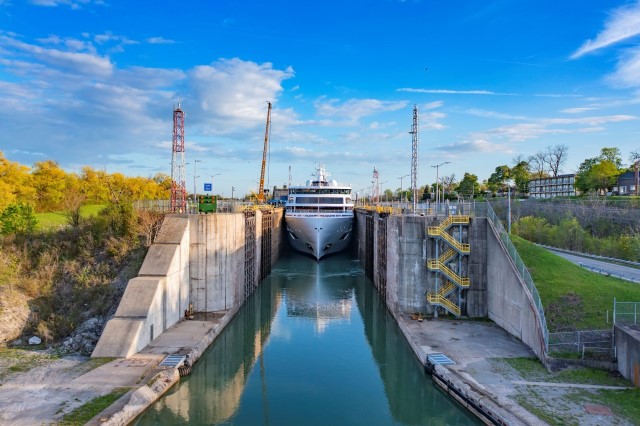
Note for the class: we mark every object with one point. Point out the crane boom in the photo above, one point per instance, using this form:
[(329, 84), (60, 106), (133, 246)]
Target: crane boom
[(264, 154)]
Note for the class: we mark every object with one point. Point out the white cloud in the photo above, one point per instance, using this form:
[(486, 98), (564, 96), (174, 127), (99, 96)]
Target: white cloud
[(524, 131), (160, 40), (353, 110), (577, 110), (492, 114), (476, 145), (73, 4), (431, 105), (623, 23), (450, 92), (627, 73), (231, 94), (84, 63), (430, 120)]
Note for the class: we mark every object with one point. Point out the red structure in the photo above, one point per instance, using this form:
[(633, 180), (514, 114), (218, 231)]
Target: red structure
[(178, 184)]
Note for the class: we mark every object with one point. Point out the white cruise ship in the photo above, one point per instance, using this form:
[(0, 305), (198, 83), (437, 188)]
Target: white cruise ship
[(319, 216)]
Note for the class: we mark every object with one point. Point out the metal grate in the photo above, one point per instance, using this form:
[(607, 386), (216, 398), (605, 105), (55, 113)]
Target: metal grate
[(249, 253), (172, 361), (382, 256), (265, 246), (368, 247), (439, 359)]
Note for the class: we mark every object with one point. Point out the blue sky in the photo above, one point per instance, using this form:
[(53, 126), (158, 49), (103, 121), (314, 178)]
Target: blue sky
[(89, 82)]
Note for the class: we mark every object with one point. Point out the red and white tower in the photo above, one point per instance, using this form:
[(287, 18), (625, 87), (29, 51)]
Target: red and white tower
[(178, 184)]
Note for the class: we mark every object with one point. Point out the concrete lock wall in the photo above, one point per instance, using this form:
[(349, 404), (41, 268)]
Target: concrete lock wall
[(627, 340), (217, 261), (509, 302), (195, 258), (496, 290), (408, 248), (156, 299)]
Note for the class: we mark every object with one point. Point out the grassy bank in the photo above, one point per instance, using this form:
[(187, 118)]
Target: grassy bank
[(554, 405), (56, 220), (573, 297)]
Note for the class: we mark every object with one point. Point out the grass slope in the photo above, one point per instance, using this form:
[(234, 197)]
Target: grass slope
[(573, 297), (55, 220)]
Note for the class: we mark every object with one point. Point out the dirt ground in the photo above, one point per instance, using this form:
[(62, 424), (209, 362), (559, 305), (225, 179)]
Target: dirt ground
[(46, 391)]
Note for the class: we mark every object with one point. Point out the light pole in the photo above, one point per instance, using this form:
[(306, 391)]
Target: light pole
[(379, 186), (509, 206), (212, 176), (437, 167), (233, 188), (402, 193), (195, 163)]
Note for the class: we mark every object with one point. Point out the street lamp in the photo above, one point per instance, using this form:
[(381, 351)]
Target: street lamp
[(437, 167), (509, 206), (401, 192), (212, 176), (195, 163), (380, 185), (233, 188)]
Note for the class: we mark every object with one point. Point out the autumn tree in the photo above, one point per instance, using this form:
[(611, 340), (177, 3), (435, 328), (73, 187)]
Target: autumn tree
[(50, 184)]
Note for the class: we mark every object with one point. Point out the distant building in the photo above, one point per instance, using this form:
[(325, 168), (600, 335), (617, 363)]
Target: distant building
[(626, 184), (280, 195), (549, 187)]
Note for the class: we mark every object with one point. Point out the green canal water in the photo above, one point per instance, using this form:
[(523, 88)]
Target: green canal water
[(314, 345)]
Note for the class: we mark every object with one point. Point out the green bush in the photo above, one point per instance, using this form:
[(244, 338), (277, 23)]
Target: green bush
[(568, 234), (18, 219)]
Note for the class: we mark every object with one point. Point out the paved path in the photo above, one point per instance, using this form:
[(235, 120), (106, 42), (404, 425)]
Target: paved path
[(624, 271), (567, 385)]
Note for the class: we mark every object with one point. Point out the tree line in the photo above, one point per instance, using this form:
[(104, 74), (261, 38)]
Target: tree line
[(47, 187)]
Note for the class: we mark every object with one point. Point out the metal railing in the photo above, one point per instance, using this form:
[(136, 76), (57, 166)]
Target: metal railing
[(521, 270), (435, 299), (610, 273)]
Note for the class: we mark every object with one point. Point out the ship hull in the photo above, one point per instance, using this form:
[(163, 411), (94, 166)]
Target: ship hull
[(318, 235)]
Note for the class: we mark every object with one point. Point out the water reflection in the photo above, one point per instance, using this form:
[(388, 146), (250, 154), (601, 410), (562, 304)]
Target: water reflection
[(313, 345)]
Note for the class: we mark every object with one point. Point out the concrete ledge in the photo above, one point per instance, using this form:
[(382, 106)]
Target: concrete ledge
[(173, 230), (161, 260), (193, 340), (118, 338)]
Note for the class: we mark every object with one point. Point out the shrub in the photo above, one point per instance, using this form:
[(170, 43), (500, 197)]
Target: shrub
[(18, 219)]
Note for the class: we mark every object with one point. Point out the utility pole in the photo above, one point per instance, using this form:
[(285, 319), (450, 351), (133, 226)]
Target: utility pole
[(289, 177), (509, 208), (401, 191), (414, 158), (233, 188), (437, 167), (195, 163)]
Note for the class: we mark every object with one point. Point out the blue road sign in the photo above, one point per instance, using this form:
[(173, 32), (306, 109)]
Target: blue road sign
[(207, 186)]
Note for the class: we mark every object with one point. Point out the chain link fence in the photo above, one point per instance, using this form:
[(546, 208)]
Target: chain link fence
[(522, 271), (586, 343), (626, 313)]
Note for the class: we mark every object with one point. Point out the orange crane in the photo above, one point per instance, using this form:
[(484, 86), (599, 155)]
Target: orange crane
[(264, 155)]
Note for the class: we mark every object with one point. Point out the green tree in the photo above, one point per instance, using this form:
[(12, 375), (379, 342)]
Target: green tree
[(18, 219), (521, 174), (426, 193), (602, 176), (497, 180), (613, 155), (583, 183), (468, 186)]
